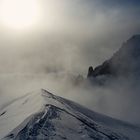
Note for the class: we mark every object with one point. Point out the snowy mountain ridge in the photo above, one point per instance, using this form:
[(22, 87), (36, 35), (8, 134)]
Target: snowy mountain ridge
[(41, 115)]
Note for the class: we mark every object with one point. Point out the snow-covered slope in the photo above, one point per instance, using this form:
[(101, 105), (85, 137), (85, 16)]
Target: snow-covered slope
[(41, 115)]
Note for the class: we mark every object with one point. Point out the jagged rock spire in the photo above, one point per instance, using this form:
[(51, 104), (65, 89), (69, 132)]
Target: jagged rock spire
[(125, 62), (90, 72)]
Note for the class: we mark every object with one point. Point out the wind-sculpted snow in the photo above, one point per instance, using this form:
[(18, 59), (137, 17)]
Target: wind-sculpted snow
[(44, 116)]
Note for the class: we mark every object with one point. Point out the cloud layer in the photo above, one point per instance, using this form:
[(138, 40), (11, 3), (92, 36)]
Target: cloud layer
[(71, 36)]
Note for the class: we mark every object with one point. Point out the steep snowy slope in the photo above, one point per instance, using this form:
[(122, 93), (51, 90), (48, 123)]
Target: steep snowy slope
[(41, 115)]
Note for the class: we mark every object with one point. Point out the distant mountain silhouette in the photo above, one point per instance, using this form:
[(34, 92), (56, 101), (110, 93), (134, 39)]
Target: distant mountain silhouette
[(125, 62)]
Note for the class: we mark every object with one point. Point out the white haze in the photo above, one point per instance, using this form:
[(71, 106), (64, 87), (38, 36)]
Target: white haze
[(119, 99), (71, 36)]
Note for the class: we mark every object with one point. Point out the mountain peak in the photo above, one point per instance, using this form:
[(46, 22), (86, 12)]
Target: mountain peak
[(58, 118), (125, 62)]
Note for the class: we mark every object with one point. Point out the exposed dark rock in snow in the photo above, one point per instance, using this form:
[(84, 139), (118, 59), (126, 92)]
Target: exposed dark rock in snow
[(59, 119)]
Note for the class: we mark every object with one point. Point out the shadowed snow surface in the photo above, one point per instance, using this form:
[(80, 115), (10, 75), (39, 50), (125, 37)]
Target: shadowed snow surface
[(41, 115)]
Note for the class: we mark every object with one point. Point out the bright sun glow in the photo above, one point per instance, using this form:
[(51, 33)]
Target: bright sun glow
[(19, 14)]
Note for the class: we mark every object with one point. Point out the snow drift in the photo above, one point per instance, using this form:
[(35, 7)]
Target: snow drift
[(41, 115)]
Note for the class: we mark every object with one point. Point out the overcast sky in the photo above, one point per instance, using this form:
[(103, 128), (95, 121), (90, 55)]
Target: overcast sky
[(74, 34), (70, 36)]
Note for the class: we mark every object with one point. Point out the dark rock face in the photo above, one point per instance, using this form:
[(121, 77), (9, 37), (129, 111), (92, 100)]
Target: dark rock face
[(125, 62), (90, 72)]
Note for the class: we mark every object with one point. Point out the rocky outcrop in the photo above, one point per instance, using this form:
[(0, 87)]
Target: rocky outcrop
[(125, 62)]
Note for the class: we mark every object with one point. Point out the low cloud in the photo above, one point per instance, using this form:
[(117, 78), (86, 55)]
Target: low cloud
[(71, 36)]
